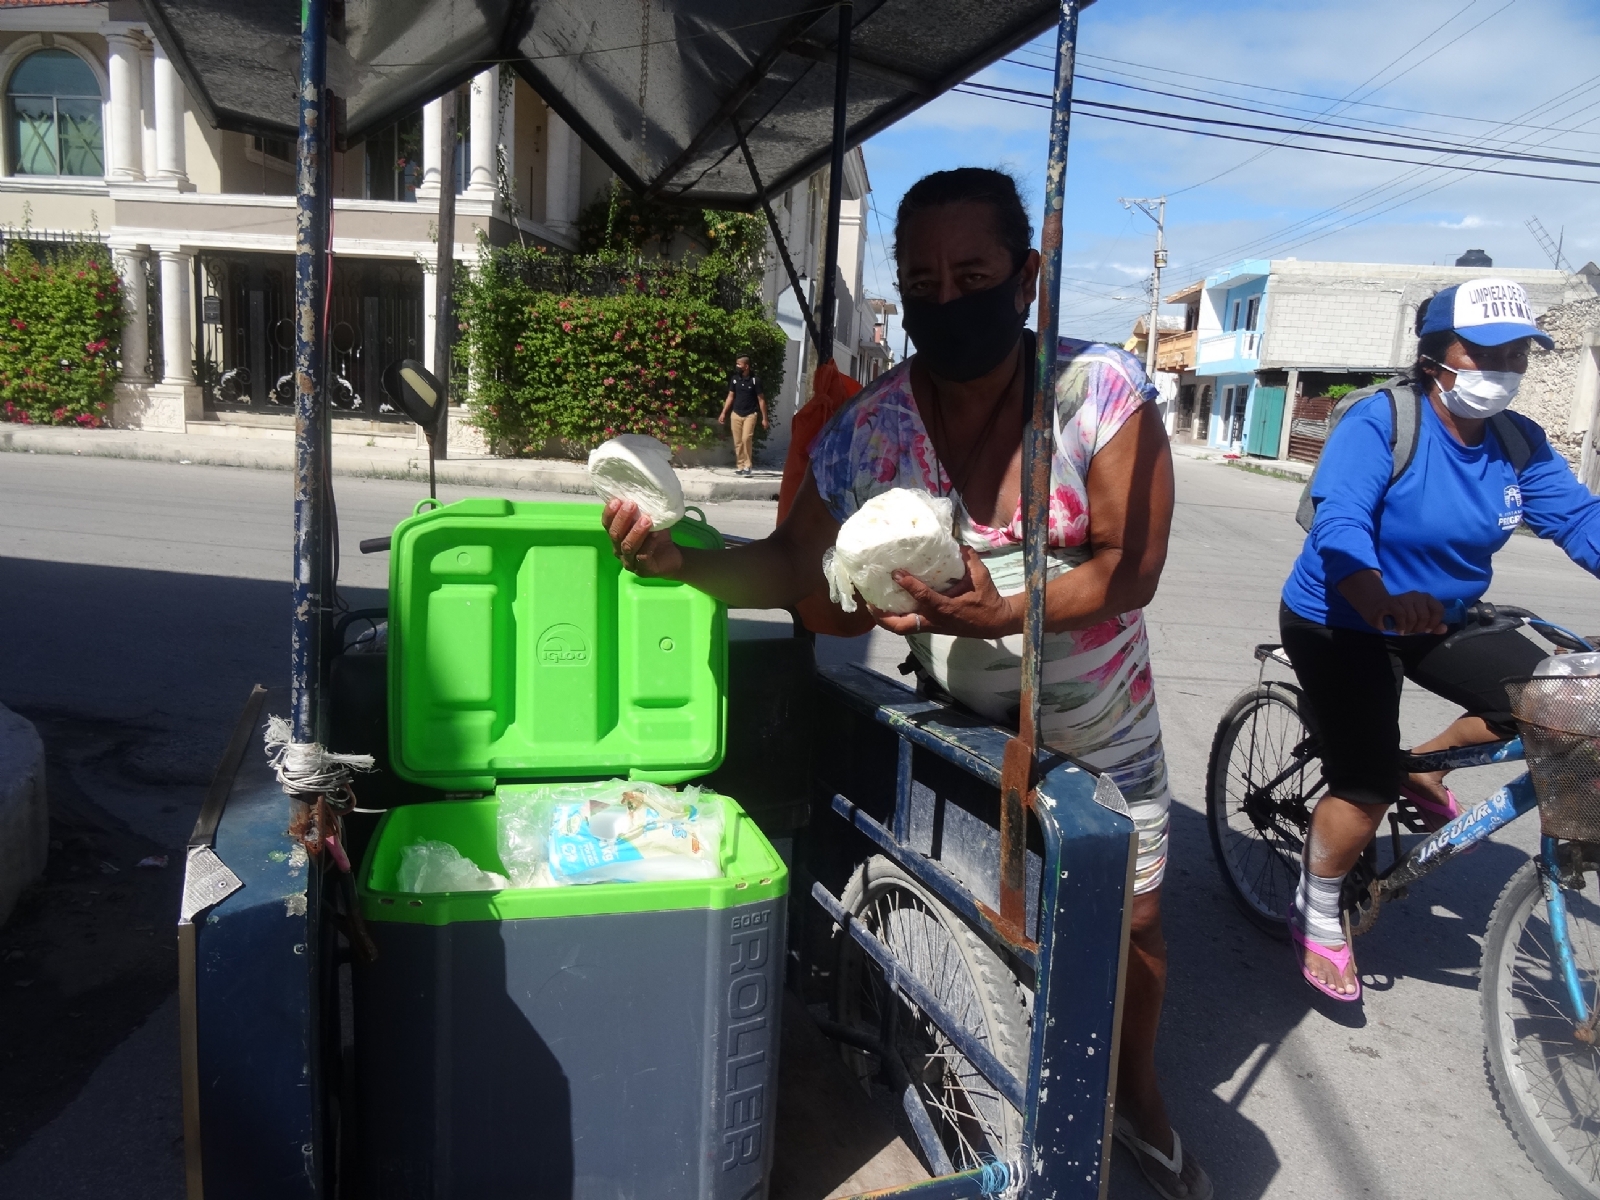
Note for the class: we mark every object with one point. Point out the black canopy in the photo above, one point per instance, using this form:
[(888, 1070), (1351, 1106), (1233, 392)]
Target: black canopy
[(704, 69)]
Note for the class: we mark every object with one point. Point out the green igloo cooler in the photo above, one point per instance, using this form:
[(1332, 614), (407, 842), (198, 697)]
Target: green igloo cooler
[(601, 1042)]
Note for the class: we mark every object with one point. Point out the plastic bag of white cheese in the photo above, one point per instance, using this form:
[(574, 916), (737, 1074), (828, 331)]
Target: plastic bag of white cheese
[(904, 529), (637, 467)]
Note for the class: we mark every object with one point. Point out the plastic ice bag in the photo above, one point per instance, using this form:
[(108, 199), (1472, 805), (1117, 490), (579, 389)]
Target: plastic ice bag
[(1584, 665), (617, 831), (637, 467), (904, 529), (440, 867)]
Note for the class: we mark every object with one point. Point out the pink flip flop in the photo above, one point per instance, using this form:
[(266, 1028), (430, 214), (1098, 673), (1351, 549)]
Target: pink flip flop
[(1339, 958), (1435, 815)]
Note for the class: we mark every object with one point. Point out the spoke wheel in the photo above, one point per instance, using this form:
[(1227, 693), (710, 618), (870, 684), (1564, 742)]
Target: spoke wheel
[(1261, 785), (1545, 1080), (974, 1123)]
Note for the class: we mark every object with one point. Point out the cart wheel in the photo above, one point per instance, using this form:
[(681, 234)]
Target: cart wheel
[(972, 1120)]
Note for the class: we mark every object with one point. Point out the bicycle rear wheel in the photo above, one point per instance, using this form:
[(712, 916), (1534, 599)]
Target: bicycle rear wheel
[(972, 1120), (1546, 1081), (1263, 781)]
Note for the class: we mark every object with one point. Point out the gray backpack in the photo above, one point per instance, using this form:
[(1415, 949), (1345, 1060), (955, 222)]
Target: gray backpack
[(1405, 413)]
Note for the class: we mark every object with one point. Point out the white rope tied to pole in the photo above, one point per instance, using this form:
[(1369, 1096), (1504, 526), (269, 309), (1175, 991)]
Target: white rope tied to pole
[(310, 768)]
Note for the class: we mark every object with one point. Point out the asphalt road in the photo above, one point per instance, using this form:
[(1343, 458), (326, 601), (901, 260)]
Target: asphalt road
[(154, 595)]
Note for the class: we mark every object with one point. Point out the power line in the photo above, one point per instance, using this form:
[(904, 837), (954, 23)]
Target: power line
[(1291, 113), (1287, 145), (1354, 93), (1390, 143), (1240, 83), (1279, 240)]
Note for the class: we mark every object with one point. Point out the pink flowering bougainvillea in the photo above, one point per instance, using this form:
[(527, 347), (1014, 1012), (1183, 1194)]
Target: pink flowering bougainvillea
[(60, 335)]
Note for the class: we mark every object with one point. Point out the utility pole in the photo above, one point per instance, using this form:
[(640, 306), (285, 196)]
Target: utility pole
[(1156, 209)]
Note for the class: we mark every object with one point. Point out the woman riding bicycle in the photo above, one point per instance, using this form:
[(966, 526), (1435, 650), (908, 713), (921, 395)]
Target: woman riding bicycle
[(1363, 607)]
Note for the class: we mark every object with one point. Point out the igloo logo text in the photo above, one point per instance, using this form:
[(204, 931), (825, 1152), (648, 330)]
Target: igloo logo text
[(563, 646)]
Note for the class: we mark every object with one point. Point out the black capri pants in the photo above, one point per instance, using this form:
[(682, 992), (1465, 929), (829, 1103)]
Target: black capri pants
[(1352, 681)]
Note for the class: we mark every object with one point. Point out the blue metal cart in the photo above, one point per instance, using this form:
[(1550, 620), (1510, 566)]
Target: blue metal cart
[(1018, 860)]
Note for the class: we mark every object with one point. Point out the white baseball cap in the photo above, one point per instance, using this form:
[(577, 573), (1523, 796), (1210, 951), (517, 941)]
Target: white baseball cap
[(1485, 312)]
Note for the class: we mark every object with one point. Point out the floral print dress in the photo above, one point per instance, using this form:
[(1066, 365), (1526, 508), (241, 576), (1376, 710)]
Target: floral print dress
[(1097, 700)]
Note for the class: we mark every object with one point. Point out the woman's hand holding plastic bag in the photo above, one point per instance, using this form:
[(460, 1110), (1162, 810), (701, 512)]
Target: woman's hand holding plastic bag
[(972, 607)]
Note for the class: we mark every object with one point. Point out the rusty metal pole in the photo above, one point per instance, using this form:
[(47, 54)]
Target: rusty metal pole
[(310, 414), (1017, 776), (830, 244)]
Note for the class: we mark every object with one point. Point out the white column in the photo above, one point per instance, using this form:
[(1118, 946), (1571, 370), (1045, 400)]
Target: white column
[(135, 316), (147, 104), (430, 316), (562, 165), (177, 338), (170, 163), (127, 133), (485, 137), (432, 118)]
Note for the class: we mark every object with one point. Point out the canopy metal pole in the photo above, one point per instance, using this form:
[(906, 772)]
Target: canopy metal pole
[(1017, 776), (310, 444), (830, 246), (777, 237)]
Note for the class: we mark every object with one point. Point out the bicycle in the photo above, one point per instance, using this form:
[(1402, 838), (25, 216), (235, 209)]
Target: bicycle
[(1540, 977)]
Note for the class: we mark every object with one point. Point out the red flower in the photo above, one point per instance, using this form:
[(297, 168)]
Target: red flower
[(17, 323)]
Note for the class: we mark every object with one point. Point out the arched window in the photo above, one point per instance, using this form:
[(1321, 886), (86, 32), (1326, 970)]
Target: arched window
[(53, 102)]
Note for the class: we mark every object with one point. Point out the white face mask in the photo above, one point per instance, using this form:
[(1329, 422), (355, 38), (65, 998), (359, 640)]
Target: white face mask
[(1480, 394)]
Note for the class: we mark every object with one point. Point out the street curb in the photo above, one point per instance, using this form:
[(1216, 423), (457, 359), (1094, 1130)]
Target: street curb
[(1257, 467), (700, 484), (24, 812)]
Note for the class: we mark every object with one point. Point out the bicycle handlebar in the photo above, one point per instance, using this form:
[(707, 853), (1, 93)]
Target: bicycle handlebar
[(1484, 617)]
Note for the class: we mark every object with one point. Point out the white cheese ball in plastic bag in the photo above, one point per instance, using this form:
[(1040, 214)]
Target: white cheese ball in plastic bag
[(637, 467), (904, 529)]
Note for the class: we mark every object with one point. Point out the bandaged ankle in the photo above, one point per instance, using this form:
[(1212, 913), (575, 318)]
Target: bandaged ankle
[(1316, 903)]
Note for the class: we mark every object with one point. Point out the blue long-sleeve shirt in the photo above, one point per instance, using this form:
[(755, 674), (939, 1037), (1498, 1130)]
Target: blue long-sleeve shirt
[(1438, 527)]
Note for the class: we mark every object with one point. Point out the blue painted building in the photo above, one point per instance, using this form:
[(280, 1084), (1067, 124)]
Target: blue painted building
[(1269, 334), (1228, 349)]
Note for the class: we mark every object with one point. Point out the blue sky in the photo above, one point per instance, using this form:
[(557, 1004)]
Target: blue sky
[(1432, 71)]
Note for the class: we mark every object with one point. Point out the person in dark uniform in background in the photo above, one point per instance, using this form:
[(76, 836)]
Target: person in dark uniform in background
[(747, 401)]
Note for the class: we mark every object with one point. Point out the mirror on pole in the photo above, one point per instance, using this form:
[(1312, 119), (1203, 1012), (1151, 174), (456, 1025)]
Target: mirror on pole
[(419, 394)]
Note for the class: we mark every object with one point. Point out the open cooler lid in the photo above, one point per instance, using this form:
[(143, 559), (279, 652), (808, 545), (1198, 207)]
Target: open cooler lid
[(520, 649)]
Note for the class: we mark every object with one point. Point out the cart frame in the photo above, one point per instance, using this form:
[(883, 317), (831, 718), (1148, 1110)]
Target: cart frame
[(1070, 936)]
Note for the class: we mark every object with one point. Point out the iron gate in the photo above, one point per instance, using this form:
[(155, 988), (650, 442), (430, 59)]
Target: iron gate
[(247, 305)]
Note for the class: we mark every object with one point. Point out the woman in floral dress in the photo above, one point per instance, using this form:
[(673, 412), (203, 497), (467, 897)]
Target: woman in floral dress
[(950, 420)]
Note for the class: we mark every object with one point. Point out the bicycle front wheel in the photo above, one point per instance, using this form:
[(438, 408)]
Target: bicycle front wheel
[(1262, 783), (1546, 1081)]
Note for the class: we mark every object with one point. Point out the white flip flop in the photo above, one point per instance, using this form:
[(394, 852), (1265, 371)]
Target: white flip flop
[(1122, 1130)]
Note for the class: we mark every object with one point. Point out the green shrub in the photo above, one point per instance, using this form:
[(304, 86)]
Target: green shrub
[(60, 333), (1340, 390), (579, 348)]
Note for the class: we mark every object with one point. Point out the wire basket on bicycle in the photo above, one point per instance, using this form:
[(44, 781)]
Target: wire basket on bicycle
[(1559, 716)]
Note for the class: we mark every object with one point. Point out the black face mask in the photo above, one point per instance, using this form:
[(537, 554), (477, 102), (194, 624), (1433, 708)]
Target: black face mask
[(968, 336)]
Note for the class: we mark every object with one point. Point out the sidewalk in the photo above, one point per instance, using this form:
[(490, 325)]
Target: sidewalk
[(700, 484), (1282, 468)]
